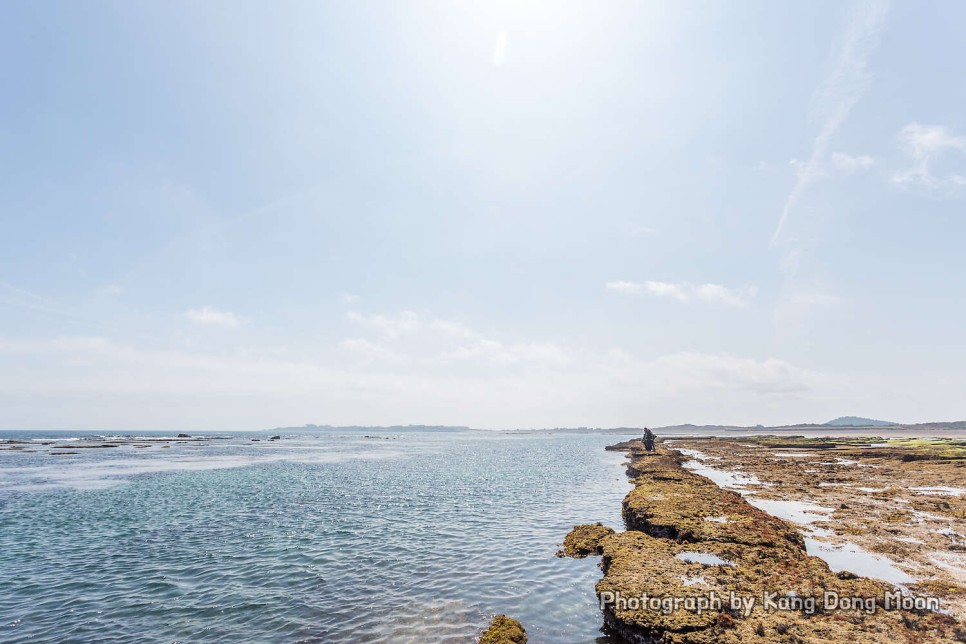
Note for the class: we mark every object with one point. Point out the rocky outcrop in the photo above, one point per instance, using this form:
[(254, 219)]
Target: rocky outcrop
[(698, 565), (671, 502), (504, 630), (584, 540)]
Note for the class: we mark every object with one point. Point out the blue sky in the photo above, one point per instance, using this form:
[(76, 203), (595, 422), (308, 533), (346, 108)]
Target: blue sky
[(234, 215)]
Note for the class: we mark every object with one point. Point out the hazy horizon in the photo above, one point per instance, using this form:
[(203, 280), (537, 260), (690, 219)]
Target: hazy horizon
[(496, 214), (888, 426)]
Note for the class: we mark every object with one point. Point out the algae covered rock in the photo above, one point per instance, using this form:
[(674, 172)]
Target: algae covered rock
[(700, 565), (692, 508), (584, 540), (504, 630)]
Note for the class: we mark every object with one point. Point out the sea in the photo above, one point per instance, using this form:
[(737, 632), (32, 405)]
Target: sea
[(328, 536)]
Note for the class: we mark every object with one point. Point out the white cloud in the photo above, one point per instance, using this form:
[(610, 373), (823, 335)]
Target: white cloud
[(927, 145), (834, 99), (110, 290), (349, 298), (214, 317), (10, 289), (431, 342), (454, 329), (628, 288), (391, 328), (20, 299), (499, 48), (687, 292), (851, 164), (804, 303), (694, 370), (666, 289), (730, 296), (428, 340), (807, 299), (368, 350), (491, 383), (643, 231)]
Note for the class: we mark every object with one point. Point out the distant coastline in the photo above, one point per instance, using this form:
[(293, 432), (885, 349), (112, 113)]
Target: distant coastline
[(945, 428), (933, 428)]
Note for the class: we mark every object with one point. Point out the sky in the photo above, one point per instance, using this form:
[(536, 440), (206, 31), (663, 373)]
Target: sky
[(242, 215)]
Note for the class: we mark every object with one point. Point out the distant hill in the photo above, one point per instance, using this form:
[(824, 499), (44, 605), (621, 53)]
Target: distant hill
[(848, 425), (856, 421)]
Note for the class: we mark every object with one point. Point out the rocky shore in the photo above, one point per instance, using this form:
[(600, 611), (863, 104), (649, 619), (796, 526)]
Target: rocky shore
[(699, 564), (504, 630), (894, 500)]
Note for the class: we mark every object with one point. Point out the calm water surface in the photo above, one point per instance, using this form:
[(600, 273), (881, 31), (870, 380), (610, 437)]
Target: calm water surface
[(314, 538)]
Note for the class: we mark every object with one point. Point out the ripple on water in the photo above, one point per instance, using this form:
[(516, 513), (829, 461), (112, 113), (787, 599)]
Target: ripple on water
[(418, 539)]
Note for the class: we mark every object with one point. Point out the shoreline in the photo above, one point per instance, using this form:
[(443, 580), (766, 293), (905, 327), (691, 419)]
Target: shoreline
[(895, 510), (699, 563)]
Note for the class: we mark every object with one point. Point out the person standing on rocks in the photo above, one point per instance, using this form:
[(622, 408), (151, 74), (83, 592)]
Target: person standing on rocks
[(648, 440)]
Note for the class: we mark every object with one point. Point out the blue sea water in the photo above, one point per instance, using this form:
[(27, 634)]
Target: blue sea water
[(327, 537)]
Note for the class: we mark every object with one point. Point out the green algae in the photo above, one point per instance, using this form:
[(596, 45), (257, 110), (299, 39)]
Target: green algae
[(806, 442), (867, 446), (672, 511), (939, 588), (690, 507), (940, 448), (584, 540), (504, 630)]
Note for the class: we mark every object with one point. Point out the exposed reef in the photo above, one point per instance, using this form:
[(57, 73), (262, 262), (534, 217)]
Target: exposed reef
[(903, 449), (699, 564), (504, 630), (584, 540), (668, 501), (60, 446), (902, 499)]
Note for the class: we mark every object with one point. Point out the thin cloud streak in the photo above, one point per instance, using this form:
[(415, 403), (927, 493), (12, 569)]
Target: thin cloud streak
[(834, 99), (925, 144), (851, 164), (512, 384), (687, 292), (499, 49), (214, 317)]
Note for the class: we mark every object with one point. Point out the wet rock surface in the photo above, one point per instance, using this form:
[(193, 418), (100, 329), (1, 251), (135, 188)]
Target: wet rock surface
[(669, 501), (68, 446), (698, 564), (504, 630), (584, 540), (904, 499)]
